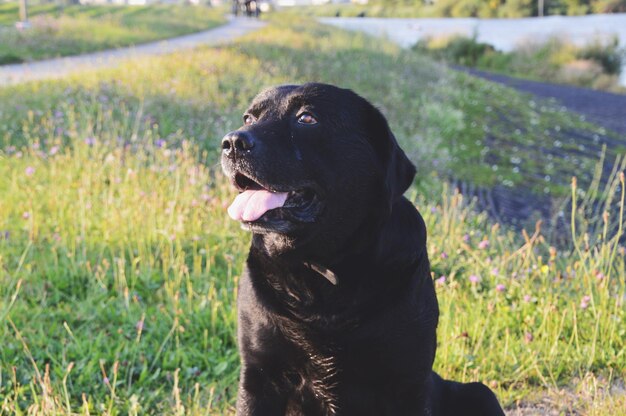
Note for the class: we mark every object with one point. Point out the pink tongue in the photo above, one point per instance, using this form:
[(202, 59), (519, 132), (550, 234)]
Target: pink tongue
[(250, 205)]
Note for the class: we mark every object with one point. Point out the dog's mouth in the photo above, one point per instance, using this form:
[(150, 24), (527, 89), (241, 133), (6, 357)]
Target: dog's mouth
[(262, 207)]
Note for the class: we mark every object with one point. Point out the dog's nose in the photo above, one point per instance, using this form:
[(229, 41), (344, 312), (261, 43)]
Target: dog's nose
[(237, 142)]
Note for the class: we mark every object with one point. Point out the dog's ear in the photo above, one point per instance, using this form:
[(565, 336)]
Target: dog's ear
[(398, 169)]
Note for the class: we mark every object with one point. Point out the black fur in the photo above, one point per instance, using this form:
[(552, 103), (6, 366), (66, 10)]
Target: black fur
[(366, 345)]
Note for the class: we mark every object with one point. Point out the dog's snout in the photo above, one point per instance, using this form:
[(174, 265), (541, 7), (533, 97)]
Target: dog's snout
[(237, 142)]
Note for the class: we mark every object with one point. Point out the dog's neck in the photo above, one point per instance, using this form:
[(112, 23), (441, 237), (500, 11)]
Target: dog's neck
[(390, 247)]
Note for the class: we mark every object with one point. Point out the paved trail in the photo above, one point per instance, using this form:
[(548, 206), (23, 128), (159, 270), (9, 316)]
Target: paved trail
[(60, 67)]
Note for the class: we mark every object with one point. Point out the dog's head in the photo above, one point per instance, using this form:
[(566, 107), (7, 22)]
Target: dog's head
[(314, 165)]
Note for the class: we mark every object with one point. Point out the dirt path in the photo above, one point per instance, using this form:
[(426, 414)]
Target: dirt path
[(602, 108), (60, 67)]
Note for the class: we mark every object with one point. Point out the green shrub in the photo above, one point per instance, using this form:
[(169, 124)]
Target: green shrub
[(596, 65), (609, 56), (9, 58), (458, 50), (609, 6)]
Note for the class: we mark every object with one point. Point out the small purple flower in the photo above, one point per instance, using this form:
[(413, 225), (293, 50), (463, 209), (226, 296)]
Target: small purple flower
[(495, 271), (466, 238), (90, 141), (54, 150), (444, 255), (441, 280), (528, 337), (29, 171), (160, 143), (483, 244), (500, 288), (584, 302), (527, 298), (474, 279), (433, 210)]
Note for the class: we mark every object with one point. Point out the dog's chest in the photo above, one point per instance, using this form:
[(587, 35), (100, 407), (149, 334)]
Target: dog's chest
[(323, 380), (314, 374)]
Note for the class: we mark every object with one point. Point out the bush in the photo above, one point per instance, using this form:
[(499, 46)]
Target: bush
[(457, 49), (609, 6), (9, 58), (596, 65), (608, 56)]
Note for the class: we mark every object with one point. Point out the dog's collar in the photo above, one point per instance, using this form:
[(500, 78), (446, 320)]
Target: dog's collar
[(325, 272)]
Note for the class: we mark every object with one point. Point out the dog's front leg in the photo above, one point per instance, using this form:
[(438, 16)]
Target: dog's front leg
[(258, 395)]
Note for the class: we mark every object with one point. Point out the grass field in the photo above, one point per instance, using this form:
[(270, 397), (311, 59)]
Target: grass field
[(118, 264), (70, 30)]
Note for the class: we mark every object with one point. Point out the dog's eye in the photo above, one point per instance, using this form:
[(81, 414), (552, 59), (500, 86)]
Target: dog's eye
[(248, 119), (306, 118)]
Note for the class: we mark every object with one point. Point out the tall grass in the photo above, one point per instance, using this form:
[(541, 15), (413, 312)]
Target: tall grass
[(119, 266)]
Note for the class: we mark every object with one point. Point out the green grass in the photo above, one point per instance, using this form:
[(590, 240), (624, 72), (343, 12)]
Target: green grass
[(118, 264), (62, 31), (596, 65)]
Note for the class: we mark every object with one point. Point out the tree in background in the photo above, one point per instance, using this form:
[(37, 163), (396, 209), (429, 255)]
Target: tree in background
[(576, 7), (609, 6), (517, 8), (508, 8)]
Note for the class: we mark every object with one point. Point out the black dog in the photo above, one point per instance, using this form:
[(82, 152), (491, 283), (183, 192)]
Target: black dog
[(337, 310)]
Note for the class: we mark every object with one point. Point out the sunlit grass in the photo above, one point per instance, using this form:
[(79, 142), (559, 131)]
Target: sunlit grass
[(61, 31), (118, 264), (118, 256)]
